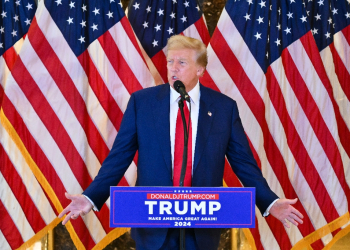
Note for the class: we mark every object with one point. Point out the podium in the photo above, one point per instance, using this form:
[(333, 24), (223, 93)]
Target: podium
[(182, 207)]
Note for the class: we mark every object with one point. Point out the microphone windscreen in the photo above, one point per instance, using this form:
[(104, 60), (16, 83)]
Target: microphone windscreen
[(178, 84)]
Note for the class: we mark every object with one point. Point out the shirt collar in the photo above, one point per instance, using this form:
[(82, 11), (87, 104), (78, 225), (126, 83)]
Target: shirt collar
[(194, 94)]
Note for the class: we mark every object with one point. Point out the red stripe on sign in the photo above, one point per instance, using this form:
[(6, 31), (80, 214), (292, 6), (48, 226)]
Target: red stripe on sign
[(51, 122), (34, 150), (20, 192), (346, 33), (41, 160), (316, 60), (341, 70), (119, 64), (130, 32), (102, 93), (9, 229), (256, 234), (207, 81), (159, 61), (315, 118), (299, 151), (10, 57), (1, 94), (71, 94), (250, 94), (257, 106), (203, 31)]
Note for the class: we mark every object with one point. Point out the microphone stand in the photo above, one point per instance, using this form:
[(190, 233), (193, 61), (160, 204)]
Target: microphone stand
[(184, 160)]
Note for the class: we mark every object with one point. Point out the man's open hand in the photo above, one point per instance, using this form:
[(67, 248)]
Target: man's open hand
[(79, 206), (283, 211)]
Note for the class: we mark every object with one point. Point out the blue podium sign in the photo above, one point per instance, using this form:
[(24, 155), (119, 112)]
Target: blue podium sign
[(182, 207)]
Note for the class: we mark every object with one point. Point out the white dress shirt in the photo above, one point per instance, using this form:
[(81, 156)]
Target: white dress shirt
[(174, 107)]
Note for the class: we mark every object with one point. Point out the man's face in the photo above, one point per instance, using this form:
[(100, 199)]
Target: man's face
[(182, 66)]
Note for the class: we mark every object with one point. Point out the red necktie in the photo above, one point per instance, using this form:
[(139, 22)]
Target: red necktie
[(179, 148)]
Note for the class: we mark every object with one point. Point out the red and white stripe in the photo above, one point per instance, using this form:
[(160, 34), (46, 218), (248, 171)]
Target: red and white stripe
[(290, 120), (67, 110), (24, 207), (336, 60)]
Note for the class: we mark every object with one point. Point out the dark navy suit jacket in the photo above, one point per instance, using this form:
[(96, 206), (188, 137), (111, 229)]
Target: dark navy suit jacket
[(145, 127)]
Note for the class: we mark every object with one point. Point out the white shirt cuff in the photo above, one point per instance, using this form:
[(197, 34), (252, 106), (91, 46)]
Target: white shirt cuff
[(92, 203), (267, 212)]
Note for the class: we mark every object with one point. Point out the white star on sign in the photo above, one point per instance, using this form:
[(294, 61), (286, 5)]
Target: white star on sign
[(183, 19), (18, 3), (328, 35), (157, 27), (278, 42), (320, 2), (2, 30), (3, 14), (290, 15), (96, 11), (172, 15), (82, 39), (27, 21), (318, 17), (71, 4), (314, 31), (84, 7), (335, 11), (330, 20), (148, 9), (83, 23), (287, 30), (160, 12), (170, 30), (14, 33), (145, 25), (94, 27), (260, 19), (155, 43), (278, 26), (16, 18), (1, 45), (303, 18), (250, 2), (247, 17), (29, 6), (109, 14), (347, 15), (187, 4), (262, 4), (70, 20), (258, 36), (58, 2), (136, 6)]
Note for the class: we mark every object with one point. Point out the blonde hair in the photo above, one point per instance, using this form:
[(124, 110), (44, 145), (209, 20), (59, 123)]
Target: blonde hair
[(183, 42)]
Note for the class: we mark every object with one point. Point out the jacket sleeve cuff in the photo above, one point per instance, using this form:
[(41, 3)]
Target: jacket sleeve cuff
[(267, 212), (93, 204)]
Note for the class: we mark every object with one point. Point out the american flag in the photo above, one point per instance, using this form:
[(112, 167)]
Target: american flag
[(155, 21), (24, 207), (65, 98), (264, 56)]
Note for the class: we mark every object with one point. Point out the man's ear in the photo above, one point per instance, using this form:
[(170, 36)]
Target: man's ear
[(200, 71)]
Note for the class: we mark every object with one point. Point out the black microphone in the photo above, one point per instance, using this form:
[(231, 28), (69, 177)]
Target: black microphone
[(180, 88)]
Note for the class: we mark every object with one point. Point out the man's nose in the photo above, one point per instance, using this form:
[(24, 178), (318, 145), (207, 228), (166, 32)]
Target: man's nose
[(174, 67)]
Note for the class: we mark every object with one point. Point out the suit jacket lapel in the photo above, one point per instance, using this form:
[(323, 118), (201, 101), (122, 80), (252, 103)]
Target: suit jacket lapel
[(161, 117), (205, 121)]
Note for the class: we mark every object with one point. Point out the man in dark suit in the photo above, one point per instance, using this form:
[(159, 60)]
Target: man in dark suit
[(149, 126)]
